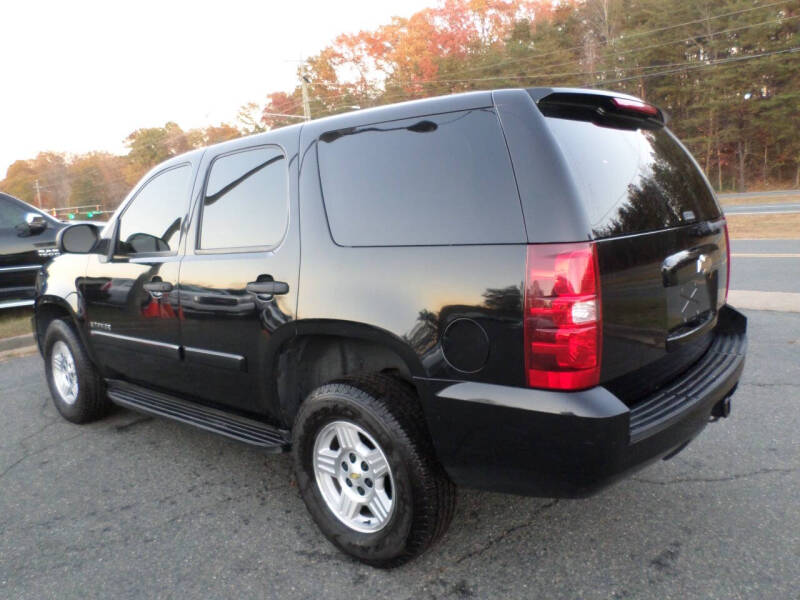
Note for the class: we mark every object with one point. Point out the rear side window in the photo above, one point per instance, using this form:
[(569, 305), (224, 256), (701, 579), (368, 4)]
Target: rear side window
[(434, 180), (152, 222), (635, 180), (246, 203)]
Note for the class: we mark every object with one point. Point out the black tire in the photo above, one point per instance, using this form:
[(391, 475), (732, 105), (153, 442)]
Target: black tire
[(389, 411), (90, 402)]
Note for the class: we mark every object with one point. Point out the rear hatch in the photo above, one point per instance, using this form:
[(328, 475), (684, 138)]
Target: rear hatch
[(660, 237)]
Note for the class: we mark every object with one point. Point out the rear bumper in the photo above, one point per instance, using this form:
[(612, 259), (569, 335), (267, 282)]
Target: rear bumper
[(542, 443)]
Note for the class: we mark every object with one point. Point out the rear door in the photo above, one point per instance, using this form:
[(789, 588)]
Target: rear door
[(238, 281), (660, 238)]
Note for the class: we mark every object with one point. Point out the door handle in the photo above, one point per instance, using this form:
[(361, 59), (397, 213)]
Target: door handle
[(158, 286), (271, 288)]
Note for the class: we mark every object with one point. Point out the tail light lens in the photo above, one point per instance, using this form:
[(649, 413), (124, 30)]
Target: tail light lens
[(727, 262), (563, 328), (636, 106)]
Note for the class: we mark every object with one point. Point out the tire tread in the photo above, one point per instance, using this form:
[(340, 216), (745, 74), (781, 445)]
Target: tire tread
[(395, 402)]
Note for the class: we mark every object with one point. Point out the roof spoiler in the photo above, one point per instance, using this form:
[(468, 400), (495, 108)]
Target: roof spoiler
[(604, 109)]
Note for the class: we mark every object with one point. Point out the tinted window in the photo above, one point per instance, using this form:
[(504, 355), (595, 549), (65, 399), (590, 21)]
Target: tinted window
[(246, 202), (635, 180), (152, 222), (11, 214), (441, 179)]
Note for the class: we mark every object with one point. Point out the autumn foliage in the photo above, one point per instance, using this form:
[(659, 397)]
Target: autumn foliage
[(727, 71)]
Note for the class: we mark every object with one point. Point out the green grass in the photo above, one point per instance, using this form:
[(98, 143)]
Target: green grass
[(15, 321)]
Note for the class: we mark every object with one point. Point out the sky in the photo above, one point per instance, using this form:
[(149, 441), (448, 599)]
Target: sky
[(81, 75)]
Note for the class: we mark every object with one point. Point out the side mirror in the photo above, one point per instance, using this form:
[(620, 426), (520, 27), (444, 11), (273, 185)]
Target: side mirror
[(34, 224), (78, 239)]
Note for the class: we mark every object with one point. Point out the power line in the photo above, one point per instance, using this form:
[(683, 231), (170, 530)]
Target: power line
[(551, 66), (627, 37), (696, 67), (680, 67), (676, 41), (528, 76), (622, 38)]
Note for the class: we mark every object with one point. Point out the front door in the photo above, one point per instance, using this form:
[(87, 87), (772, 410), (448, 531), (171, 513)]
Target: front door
[(238, 281), (130, 291)]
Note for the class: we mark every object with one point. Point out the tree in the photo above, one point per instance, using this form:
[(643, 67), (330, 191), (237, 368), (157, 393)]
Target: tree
[(97, 178), (710, 64), (249, 119), (49, 169), (280, 104), (150, 146)]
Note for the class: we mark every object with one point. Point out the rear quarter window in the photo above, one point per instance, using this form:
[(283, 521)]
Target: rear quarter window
[(434, 180)]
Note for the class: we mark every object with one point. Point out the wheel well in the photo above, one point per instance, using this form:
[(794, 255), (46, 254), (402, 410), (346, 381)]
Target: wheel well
[(46, 314), (312, 360)]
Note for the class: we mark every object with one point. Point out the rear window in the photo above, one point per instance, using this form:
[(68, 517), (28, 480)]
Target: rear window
[(635, 180), (434, 180)]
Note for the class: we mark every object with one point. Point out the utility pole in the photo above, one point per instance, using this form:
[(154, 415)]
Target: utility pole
[(38, 194), (304, 85)]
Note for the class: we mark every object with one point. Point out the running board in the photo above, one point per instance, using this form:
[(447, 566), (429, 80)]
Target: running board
[(249, 431)]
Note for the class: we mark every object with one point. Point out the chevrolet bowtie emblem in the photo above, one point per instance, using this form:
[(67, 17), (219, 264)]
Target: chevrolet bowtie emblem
[(355, 475)]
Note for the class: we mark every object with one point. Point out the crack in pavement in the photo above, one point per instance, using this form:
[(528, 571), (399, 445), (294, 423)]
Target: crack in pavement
[(134, 423), (29, 454), (487, 546), (727, 478), (124, 537), (505, 533), (30, 435)]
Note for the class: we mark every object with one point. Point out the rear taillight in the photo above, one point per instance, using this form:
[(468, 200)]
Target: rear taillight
[(727, 262), (635, 106), (563, 329)]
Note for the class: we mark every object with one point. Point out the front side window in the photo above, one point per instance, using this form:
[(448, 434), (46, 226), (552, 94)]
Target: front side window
[(152, 222), (246, 202), (11, 214)]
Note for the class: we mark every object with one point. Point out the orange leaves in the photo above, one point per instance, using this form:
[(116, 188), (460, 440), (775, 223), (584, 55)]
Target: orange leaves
[(280, 104), (407, 55), (409, 51)]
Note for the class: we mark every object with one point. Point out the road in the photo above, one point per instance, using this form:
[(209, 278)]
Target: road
[(778, 207), (785, 208), (766, 265), (775, 193), (135, 507)]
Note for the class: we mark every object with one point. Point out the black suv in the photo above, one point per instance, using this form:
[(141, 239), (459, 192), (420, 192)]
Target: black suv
[(518, 290), (27, 241)]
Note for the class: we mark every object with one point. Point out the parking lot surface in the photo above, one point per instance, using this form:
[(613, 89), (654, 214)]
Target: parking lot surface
[(135, 507)]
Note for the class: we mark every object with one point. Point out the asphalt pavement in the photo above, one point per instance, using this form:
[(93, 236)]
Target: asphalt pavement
[(136, 507), (766, 265), (784, 208), (770, 194)]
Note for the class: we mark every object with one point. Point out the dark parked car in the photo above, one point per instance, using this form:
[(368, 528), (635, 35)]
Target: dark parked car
[(518, 290), (27, 241)]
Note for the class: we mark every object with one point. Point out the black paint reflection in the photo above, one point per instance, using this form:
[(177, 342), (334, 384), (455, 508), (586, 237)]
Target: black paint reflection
[(634, 181), (498, 319)]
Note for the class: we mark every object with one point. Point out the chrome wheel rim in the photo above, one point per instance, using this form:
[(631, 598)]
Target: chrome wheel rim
[(65, 375), (354, 477)]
